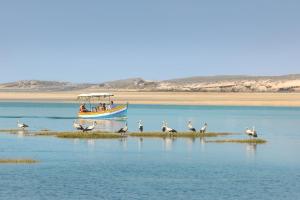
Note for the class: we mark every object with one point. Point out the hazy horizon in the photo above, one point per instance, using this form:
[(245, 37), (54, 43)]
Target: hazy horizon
[(128, 78), (100, 41)]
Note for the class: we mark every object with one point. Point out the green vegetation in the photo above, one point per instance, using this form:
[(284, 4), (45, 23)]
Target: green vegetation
[(249, 141), (101, 134), (179, 134), (18, 161), (88, 135), (45, 133), (13, 131)]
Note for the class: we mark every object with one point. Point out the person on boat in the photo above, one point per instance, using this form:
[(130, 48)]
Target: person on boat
[(83, 108), (112, 104), (104, 106), (99, 107)]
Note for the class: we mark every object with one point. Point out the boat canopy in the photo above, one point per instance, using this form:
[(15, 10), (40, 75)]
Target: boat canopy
[(91, 95)]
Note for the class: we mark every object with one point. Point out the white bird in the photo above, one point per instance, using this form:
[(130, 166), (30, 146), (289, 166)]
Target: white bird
[(22, 125), (203, 129), (90, 128), (163, 127), (141, 127), (77, 126), (251, 132), (168, 129), (124, 129), (190, 127)]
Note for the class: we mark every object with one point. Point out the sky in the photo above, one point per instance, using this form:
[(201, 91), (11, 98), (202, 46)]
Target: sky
[(97, 41)]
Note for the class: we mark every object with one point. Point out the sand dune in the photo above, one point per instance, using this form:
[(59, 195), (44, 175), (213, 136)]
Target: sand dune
[(287, 83), (179, 98)]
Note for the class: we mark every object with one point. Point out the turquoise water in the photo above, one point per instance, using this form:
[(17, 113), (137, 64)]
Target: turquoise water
[(152, 168)]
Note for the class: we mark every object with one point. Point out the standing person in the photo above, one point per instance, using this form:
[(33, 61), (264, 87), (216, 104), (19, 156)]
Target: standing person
[(111, 104)]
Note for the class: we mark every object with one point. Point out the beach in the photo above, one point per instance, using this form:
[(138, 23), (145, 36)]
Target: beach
[(167, 98)]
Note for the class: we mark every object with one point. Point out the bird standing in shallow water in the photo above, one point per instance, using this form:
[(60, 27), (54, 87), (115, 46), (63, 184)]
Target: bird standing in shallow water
[(77, 126), (168, 129), (203, 129), (251, 133), (90, 128), (163, 127), (190, 127), (141, 127), (22, 125), (124, 129)]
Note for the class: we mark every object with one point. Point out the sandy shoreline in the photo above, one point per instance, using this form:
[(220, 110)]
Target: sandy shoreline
[(169, 98)]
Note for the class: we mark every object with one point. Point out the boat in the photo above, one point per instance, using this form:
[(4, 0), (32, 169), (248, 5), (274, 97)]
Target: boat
[(100, 106)]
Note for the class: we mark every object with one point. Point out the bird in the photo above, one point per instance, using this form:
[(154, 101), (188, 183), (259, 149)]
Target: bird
[(190, 127), (163, 127), (141, 127), (124, 129), (251, 132), (203, 129), (89, 128), (77, 126), (168, 129), (22, 125)]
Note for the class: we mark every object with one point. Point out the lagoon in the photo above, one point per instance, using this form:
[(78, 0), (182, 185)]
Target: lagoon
[(152, 168)]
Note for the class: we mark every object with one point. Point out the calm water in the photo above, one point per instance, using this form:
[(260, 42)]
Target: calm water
[(152, 168)]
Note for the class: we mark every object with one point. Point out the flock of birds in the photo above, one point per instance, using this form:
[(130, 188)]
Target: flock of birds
[(165, 128)]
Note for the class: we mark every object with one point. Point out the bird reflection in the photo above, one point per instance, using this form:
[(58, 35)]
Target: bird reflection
[(21, 133), (123, 142), (190, 142), (168, 142), (251, 149), (202, 142), (76, 141), (140, 143), (91, 143)]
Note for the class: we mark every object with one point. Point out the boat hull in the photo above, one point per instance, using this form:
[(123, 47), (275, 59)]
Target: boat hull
[(119, 111)]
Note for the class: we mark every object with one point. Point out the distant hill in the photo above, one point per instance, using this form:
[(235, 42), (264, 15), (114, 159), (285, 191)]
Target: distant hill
[(286, 83), (37, 85)]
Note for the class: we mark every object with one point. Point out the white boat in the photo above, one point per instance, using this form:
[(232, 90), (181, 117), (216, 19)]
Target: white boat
[(100, 105)]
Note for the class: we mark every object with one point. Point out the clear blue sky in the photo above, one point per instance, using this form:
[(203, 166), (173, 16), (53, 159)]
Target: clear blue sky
[(95, 41)]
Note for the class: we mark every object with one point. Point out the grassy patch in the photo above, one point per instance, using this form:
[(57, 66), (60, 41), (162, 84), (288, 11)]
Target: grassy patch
[(249, 141), (104, 134), (179, 134), (45, 133), (18, 161), (9, 130), (88, 135)]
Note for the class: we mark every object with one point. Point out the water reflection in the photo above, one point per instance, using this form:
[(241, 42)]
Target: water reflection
[(124, 144), (202, 143), (251, 150), (21, 133), (75, 141), (167, 143), (91, 142), (140, 143), (190, 142)]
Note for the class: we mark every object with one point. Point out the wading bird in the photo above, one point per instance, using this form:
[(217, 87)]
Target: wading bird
[(168, 129), (141, 127), (77, 126), (163, 127), (22, 125), (124, 129), (251, 132), (89, 128), (203, 129), (190, 127)]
